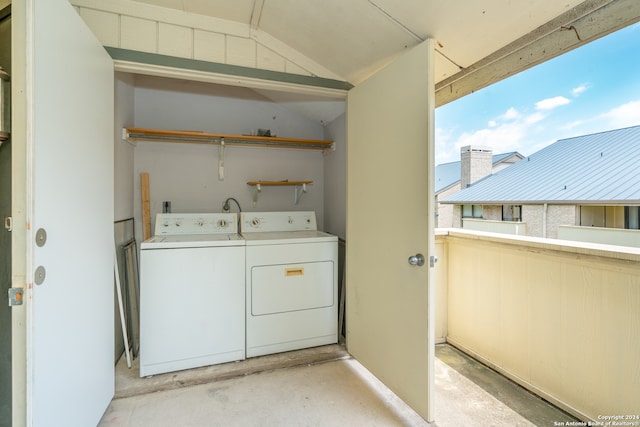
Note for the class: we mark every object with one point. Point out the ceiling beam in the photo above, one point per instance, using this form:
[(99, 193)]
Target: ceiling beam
[(256, 13), (585, 23)]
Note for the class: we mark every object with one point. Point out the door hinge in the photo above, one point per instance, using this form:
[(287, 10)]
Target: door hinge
[(432, 261), (8, 223), (15, 296)]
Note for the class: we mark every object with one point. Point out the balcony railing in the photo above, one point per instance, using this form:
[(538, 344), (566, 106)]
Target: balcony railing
[(560, 318)]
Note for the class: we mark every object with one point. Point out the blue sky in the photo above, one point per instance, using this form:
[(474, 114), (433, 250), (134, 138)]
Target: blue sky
[(591, 89)]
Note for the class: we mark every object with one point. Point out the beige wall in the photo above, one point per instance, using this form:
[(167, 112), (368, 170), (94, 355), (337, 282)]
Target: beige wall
[(441, 278), (601, 216), (561, 320)]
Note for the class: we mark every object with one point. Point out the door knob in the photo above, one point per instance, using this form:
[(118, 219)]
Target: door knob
[(417, 259)]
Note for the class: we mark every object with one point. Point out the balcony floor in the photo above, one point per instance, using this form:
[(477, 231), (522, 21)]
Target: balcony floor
[(319, 387)]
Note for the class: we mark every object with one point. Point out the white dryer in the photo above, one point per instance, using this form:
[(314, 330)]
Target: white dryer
[(291, 282), (191, 293)]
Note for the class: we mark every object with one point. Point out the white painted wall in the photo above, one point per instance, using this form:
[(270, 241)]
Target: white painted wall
[(607, 236), (335, 176), (187, 174), (123, 150)]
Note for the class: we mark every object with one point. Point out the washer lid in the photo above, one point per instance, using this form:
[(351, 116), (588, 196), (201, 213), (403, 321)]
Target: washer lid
[(192, 241)]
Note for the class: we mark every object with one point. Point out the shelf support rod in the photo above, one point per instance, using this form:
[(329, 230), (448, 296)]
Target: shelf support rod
[(221, 160), (298, 190), (256, 189)]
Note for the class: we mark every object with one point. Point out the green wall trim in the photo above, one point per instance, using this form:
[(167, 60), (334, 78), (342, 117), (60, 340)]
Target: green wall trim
[(215, 67)]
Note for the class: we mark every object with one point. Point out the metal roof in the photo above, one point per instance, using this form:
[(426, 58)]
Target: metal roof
[(448, 174), (601, 168)]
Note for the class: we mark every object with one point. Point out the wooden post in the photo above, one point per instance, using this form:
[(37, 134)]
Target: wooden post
[(146, 208)]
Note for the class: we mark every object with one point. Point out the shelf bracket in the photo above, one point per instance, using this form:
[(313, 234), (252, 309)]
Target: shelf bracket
[(125, 137), (298, 190), (256, 189)]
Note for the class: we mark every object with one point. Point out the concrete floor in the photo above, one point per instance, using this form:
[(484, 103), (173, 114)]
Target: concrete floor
[(319, 387)]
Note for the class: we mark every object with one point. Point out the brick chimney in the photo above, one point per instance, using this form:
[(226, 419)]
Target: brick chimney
[(476, 163)]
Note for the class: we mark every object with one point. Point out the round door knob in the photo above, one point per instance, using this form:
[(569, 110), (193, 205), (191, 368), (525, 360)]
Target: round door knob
[(417, 259)]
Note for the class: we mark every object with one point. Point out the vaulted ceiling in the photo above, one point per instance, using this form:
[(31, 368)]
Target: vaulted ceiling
[(479, 42)]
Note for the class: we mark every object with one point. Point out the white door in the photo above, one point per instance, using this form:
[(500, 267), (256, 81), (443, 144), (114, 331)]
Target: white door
[(70, 372), (390, 217)]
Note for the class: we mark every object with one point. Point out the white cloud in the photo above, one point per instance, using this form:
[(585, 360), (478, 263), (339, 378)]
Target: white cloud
[(502, 138), (624, 116), (551, 103), (573, 124), (492, 123), (577, 91), (534, 118), (511, 114)]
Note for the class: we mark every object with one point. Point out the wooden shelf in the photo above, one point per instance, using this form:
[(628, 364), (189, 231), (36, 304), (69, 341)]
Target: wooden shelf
[(274, 183), (197, 137), (298, 191)]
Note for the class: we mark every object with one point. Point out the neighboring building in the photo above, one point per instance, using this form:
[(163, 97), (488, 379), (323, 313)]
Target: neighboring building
[(588, 181), (476, 163)]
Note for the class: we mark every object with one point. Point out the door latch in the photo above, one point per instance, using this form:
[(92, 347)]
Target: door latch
[(15, 296)]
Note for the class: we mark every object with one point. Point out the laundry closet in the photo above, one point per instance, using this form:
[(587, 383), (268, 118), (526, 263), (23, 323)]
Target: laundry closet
[(186, 177)]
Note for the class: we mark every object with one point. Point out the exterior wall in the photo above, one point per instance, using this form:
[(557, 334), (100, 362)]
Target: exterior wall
[(492, 212), (457, 216), (445, 212), (561, 320), (147, 28), (558, 215), (533, 216)]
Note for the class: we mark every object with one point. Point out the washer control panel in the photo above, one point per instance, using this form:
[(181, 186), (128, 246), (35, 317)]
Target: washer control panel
[(204, 223), (253, 222)]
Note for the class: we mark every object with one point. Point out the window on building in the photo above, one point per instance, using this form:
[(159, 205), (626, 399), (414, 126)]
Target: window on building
[(512, 212), (471, 211), (632, 217)]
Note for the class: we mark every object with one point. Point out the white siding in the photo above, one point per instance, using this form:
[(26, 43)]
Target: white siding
[(175, 40), (147, 28)]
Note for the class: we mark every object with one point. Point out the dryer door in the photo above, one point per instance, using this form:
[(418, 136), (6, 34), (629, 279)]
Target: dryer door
[(291, 287)]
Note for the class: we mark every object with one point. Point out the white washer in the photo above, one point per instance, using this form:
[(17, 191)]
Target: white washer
[(191, 293), (292, 282)]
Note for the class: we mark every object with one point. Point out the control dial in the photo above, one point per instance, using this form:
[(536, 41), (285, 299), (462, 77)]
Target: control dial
[(223, 223)]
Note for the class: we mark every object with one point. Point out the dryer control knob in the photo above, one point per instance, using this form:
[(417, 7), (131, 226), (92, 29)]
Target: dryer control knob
[(223, 223), (255, 222)]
